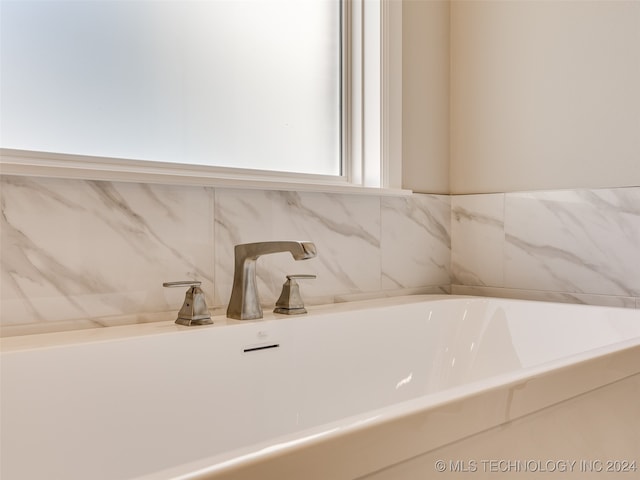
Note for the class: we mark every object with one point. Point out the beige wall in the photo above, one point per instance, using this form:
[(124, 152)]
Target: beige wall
[(425, 93), (544, 94)]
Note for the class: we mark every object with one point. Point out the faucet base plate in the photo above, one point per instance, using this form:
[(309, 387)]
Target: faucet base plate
[(290, 311), (194, 321)]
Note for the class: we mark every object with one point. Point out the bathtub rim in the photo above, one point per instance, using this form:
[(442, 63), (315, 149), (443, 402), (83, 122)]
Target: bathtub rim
[(111, 333), (164, 327)]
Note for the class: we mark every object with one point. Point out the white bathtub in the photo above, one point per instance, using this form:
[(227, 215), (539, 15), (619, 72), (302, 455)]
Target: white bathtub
[(381, 389)]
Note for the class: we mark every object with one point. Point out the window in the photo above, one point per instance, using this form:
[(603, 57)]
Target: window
[(267, 85)]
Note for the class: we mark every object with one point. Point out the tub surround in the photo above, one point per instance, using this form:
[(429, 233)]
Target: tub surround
[(81, 254), (576, 246)]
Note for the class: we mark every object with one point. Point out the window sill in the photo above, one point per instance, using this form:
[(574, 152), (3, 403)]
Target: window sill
[(55, 165)]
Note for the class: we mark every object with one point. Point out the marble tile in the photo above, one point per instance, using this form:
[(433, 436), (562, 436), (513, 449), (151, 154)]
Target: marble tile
[(84, 251), (477, 243), (545, 296), (345, 229), (575, 241), (416, 241), (74, 249)]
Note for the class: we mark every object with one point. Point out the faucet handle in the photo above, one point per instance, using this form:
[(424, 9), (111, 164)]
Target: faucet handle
[(300, 275), (194, 310), (182, 283), (290, 301)]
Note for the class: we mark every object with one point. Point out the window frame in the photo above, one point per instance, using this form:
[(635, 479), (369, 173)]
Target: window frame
[(371, 126)]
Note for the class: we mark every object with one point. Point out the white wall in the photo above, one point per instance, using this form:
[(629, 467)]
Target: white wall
[(425, 105), (544, 95)]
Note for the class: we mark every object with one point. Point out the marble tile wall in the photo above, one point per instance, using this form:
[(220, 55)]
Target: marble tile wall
[(579, 246), (78, 254)]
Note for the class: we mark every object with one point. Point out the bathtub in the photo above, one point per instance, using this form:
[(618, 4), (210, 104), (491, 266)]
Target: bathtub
[(398, 388)]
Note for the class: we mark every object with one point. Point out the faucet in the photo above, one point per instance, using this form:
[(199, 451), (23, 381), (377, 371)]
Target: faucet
[(244, 303)]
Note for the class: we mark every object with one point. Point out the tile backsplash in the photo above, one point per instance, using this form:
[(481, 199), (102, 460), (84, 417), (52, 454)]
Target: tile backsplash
[(580, 246), (79, 253)]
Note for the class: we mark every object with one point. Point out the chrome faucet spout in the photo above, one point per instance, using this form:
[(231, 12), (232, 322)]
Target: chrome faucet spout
[(244, 303)]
